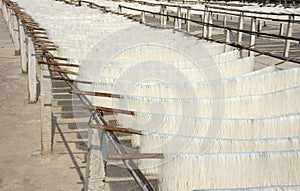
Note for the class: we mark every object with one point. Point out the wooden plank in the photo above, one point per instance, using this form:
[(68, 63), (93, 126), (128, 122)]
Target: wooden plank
[(71, 80), (135, 156), (53, 57), (106, 109), (45, 49), (63, 71), (100, 94), (58, 64), (117, 129)]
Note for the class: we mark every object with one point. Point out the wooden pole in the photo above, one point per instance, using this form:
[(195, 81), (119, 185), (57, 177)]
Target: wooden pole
[(289, 33), (63, 71), (135, 156), (53, 57), (58, 64), (281, 29), (99, 94), (227, 38), (252, 36), (120, 9), (71, 80), (240, 27), (205, 21), (117, 129), (178, 20), (162, 16), (32, 82), (106, 109), (143, 17), (210, 21), (224, 23), (259, 26), (188, 16)]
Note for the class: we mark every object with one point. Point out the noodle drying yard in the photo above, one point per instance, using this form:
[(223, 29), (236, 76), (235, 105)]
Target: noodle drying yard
[(149, 95)]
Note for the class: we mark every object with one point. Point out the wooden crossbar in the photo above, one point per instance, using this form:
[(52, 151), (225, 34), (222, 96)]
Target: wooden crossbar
[(58, 64), (135, 156), (117, 129), (100, 94), (63, 71), (106, 109), (71, 80), (53, 57)]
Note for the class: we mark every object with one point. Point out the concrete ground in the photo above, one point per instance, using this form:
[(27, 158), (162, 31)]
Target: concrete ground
[(21, 166)]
